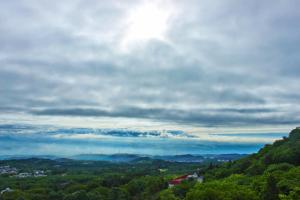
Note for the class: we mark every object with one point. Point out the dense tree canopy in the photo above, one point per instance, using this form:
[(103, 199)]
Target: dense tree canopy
[(271, 174)]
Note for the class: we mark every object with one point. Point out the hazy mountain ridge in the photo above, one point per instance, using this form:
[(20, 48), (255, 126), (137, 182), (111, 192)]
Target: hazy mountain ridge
[(127, 158)]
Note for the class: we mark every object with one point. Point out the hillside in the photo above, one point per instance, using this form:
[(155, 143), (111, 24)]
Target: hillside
[(284, 152), (271, 174)]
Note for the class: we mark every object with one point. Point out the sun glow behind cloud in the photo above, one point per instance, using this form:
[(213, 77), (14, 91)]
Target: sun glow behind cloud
[(196, 67), (147, 21)]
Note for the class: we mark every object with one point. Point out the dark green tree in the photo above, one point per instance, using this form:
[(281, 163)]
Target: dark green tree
[(271, 191)]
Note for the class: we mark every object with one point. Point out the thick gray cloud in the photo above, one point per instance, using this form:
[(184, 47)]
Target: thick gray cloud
[(224, 62), (204, 117)]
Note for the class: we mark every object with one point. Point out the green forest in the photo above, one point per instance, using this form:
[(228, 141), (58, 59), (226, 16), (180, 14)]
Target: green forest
[(273, 173)]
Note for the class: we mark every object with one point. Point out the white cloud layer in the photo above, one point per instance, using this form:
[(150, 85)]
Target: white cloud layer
[(198, 62)]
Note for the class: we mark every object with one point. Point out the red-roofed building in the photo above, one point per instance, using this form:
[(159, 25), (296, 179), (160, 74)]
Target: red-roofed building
[(178, 180)]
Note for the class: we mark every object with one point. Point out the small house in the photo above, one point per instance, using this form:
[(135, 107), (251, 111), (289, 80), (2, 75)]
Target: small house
[(178, 180)]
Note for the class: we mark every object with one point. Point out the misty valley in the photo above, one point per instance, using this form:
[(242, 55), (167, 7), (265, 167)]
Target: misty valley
[(272, 173)]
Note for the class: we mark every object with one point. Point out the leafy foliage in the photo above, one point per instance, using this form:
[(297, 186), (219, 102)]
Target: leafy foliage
[(271, 174)]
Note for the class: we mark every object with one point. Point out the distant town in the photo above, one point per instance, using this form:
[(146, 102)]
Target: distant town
[(14, 172)]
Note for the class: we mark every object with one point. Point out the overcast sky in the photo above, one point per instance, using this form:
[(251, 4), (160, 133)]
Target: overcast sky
[(206, 63)]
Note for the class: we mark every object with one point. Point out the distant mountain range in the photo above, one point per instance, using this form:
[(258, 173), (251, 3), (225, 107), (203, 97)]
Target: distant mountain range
[(137, 158)]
